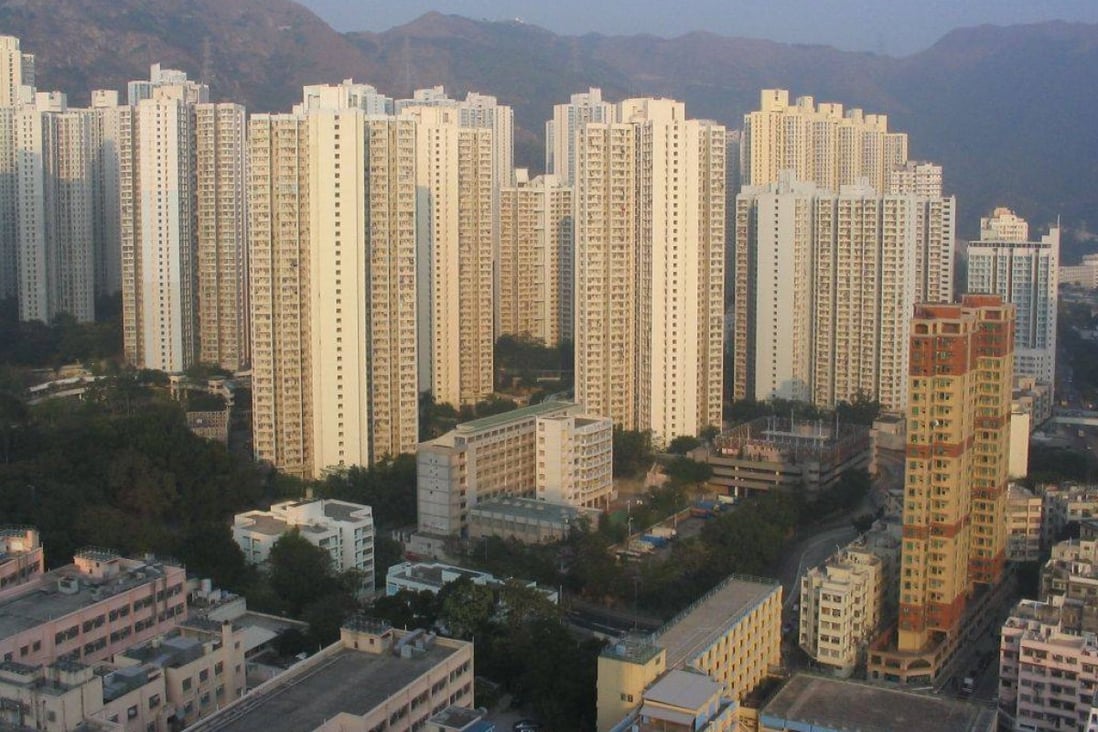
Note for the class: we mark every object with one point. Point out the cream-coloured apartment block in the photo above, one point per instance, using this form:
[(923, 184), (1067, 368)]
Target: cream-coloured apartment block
[(486, 458), (455, 184), (536, 260), (345, 530), (1048, 668), (202, 663), (21, 556), (108, 233), (1084, 274), (935, 224), (560, 132), (575, 460), (857, 262), (841, 607), (89, 610), (55, 151), (683, 700), (1025, 519), (222, 249), (158, 223), (398, 680), (16, 89), (280, 285), (1066, 505), (820, 143), (1026, 273), (650, 217), (732, 635)]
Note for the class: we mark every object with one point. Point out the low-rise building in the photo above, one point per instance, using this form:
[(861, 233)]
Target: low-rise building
[(732, 635), (774, 453), (1065, 505), (685, 701), (433, 576), (21, 556), (509, 455), (1048, 668), (841, 606), (822, 704), (1084, 274), (91, 609), (1072, 573), (888, 435), (528, 520), (373, 678), (1025, 516), (345, 530)]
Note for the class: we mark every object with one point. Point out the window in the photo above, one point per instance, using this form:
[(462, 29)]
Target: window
[(154, 701), (187, 684)]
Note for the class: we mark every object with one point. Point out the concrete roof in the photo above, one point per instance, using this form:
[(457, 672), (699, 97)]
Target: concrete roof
[(264, 523), (833, 704), (682, 689), (350, 681), (701, 624), (497, 420)]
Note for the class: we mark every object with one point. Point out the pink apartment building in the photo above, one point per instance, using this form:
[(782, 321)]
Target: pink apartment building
[(91, 609), (21, 556)]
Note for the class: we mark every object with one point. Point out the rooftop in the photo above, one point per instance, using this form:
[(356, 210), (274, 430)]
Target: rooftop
[(684, 689), (700, 625), (497, 420), (41, 600), (347, 680), (528, 508), (264, 523), (826, 703)]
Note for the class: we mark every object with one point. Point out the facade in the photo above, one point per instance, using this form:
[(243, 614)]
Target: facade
[(89, 610), (528, 520), (345, 530), (456, 243), (1084, 274), (1066, 505), (575, 460), (1025, 519), (221, 241), (400, 679), (858, 262), (55, 151), (487, 458), (21, 556), (1070, 576), (772, 453), (732, 635), (954, 514), (535, 260), (1048, 668), (1026, 273), (560, 132), (650, 215), (334, 320), (16, 88), (821, 143), (280, 287), (842, 602), (157, 179), (108, 243)]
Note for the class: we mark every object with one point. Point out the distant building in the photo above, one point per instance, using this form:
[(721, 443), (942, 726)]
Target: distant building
[(528, 520), (809, 702), (433, 576), (374, 677), (732, 635), (1026, 273), (1071, 576), (775, 453), (1082, 275), (1067, 505), (1025, 519), (486, 458), (345, 530), (89, 610), (21, 556)]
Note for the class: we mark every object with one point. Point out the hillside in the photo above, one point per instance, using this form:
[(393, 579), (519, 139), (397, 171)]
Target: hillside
[(1005, 110)]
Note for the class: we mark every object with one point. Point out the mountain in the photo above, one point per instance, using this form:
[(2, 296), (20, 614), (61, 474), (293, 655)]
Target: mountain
[(1007, 110)]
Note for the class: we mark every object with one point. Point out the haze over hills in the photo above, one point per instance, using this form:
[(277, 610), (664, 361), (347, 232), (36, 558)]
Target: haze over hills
[(1006, 110)]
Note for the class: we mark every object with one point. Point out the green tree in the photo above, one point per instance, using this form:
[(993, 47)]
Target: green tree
[(682, 444), (684, 471), (300, 574), (632, 452), (466, 608)]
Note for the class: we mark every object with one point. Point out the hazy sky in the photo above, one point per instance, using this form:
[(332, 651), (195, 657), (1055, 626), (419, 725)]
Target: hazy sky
[(896, 27)]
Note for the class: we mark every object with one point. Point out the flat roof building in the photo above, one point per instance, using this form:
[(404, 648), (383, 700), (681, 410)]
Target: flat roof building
[(21, 555), (732, 634), (527, 520), (344, 529), (373, 677)]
